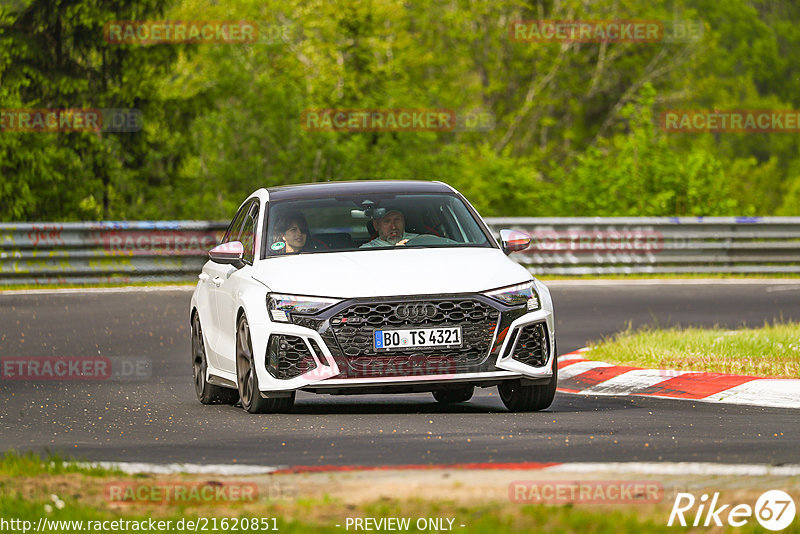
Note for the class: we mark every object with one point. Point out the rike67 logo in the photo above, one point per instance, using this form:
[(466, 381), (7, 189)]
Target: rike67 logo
[(774, 510)]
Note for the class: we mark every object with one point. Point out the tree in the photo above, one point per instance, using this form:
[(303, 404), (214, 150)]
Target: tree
[(54, 57)]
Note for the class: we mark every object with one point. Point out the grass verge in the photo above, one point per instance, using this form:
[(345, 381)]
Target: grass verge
[(32, 491), (29, 464), (770, 351)]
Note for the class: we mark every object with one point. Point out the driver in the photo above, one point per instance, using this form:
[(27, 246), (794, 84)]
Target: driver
[(391, 229)]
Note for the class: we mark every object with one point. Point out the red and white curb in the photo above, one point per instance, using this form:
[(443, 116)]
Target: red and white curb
[(578, 375)]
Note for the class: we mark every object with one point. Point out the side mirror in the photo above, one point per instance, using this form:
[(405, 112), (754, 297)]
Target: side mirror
[(514, 241), (228, 254)]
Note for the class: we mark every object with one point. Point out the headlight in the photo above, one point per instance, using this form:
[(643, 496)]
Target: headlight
[(517, 295), (281, 307)]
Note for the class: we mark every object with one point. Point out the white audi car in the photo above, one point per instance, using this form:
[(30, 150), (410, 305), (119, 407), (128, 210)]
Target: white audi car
[(368, 287)]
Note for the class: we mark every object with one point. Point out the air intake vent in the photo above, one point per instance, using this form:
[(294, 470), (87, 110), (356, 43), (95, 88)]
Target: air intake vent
[(288, 357), (531, 345)]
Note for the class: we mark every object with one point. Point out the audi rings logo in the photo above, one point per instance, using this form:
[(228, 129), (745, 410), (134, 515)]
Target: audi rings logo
[(417, 311)]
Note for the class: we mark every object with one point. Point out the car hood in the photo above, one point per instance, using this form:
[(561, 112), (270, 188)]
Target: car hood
[(368, 273)]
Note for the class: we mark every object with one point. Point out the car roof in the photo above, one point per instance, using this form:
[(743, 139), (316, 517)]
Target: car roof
[(362, 187)]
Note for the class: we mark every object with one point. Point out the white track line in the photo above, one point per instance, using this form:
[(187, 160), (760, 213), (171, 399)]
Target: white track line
[(171, 469), (645, 468), (679, 468), (783, 288)]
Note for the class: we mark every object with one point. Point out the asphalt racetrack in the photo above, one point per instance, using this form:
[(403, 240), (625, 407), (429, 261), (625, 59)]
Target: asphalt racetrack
[(158, 419)]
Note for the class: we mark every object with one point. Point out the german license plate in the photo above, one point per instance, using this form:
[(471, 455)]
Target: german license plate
[(418, 337)]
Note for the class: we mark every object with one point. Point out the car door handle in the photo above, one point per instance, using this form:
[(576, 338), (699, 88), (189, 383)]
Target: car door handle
[(203, 277), (218, 281)]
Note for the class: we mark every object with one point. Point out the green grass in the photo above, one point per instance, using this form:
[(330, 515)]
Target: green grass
[(14, 464), (488, 518), (32, 488), (495, 518), (483, 519), (770, 351)]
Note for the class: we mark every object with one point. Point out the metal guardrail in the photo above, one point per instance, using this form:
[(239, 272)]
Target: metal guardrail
[(123, 252), (659, 245), (113, 252)]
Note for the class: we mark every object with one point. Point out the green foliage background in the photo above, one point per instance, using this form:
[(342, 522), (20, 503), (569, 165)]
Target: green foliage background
[(576, 128)]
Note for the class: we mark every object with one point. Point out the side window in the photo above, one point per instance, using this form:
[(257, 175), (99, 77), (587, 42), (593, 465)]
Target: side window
[(248, 235), (235, 228)]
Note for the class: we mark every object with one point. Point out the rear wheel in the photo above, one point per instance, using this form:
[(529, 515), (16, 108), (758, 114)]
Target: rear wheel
[(521, 398), (247, 379), (447, 396), (206, 393)]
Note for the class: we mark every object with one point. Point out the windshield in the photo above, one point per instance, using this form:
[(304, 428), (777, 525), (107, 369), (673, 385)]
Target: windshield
[(370, 223)]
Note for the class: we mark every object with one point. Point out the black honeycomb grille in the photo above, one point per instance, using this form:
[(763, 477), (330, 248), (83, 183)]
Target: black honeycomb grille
[(531, 346), (325, 332), (288, 357), (354, 327)]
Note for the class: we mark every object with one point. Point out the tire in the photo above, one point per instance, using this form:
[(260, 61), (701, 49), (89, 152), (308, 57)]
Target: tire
[(247, 379), (520, 398), (448, 396), (206, 393)]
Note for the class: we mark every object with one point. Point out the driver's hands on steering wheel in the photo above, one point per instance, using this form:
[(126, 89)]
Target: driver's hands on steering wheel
[(401, 242)]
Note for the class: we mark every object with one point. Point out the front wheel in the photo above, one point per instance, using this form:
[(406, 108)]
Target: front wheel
[(247, 380), (206, 393), (520, 398)]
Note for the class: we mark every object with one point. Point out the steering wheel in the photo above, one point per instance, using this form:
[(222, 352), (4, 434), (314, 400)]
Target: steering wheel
[(428, 239)]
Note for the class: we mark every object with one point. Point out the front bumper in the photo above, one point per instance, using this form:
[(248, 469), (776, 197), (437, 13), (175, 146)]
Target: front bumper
[(333, 352)]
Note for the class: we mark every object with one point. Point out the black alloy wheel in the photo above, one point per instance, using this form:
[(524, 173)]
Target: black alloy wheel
[(206, 393), (247, 380)]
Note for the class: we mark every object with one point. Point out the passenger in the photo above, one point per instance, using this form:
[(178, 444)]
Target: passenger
[(291, 234), (391, 228)]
